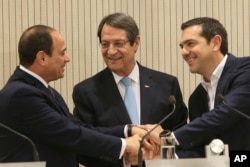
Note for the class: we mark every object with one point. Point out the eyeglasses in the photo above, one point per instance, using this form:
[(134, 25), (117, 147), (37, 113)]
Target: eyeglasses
[(116, 44)]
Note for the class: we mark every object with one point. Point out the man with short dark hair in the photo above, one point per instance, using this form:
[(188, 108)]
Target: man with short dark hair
[(204, 46), (30, 106)]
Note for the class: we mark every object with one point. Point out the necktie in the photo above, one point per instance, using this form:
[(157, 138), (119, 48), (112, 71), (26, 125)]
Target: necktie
[(52, 91), (129, 100)]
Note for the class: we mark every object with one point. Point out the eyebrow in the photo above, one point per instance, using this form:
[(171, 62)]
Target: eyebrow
[(63, 51), (186, 41), (117, 40)]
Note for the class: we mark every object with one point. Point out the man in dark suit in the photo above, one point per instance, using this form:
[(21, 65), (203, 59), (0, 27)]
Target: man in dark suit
[(99, 99), (204, 46), (29, 106)]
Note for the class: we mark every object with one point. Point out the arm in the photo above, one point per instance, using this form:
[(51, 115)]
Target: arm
[(221, 120), (47, 124)]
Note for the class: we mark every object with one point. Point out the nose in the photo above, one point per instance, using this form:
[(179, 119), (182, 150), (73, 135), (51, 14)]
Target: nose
[(112, 49), (67, 58), (184, 51)]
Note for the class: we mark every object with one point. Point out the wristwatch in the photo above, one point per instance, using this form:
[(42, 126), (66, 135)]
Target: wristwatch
[(217, 146), (129, 130)]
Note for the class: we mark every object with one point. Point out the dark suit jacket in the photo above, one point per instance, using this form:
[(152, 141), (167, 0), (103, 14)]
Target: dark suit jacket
[(27, 106), (98, 100), (232, 128)]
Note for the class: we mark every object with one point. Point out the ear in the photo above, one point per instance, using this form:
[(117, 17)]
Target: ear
[(41, 57), (216, 41), (137, 42)]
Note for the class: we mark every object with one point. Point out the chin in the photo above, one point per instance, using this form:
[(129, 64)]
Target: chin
[(61, 76), (114, 67), (193, 70)]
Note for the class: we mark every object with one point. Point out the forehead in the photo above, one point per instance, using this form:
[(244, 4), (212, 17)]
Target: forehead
[(58, 40), (192, 32), (112, 33)]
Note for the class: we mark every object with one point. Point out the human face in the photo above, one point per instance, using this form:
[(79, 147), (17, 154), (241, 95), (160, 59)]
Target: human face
[(120, 60), (57, 60), (197, 52)]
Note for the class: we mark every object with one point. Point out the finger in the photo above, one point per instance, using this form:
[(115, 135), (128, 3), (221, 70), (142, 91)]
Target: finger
[(148, 145)]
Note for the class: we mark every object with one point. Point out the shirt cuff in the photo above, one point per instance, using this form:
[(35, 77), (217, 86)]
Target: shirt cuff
[(123, 148), (126, 131), (176, 141)]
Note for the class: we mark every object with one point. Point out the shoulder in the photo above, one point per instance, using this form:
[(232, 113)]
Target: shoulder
[(94, 82), (155, 74), (238, 62), (102, 74)]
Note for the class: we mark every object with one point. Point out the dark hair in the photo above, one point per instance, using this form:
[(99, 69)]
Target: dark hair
[(210, 28), (34, 39), (121, 21)]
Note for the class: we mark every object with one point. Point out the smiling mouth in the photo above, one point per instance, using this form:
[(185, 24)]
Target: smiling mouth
[(114, 59), (190, 60)]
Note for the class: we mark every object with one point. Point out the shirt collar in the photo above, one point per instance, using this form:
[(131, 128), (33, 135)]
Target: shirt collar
[(34, 75), (217, 72), (134, 75)]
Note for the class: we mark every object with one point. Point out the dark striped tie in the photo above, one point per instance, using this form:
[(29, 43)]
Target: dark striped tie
[(51, 91)]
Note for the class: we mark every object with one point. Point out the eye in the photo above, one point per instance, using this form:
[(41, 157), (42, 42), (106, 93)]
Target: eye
[(191, 43), (119, 44), (64, 52), (104, 45)]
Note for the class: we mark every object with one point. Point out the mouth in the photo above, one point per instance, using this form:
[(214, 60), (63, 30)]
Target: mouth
[(114, 59), (190, 60), (63, 67)]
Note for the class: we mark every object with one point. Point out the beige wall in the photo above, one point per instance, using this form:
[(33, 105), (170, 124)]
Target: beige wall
[(159, 22)]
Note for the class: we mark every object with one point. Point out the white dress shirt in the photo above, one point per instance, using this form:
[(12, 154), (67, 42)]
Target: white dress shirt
[(134, 76), (211, 86)]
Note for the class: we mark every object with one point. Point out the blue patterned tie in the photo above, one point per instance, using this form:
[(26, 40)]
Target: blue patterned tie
[(129, 100)]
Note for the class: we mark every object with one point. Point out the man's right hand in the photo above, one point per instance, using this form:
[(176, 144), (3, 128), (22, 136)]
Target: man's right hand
[(132, 144), (132, 149)]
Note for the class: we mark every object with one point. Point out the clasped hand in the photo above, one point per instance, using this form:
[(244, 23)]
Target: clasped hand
[(150, 144)]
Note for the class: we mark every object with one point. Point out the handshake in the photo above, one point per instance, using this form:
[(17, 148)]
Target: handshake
[(150, 146)]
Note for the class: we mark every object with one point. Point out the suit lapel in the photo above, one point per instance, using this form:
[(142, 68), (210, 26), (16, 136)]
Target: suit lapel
[(113, 97), (55, 101), (147, 93), (226, 73), (58, 105)]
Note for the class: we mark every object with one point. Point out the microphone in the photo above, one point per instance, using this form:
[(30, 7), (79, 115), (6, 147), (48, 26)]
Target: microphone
[(35, 152), (172, 101), (221, 98)]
